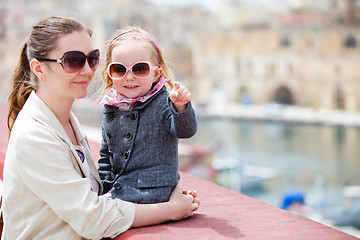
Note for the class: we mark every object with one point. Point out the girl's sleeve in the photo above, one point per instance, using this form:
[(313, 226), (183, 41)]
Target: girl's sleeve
[(182, 124), (50, 174)]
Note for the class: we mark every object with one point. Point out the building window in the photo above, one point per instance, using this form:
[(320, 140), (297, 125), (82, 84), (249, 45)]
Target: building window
[(283, 96), (309, 43), (285, 42), (339, 98), (249, 68), (244, 96), (291, 70), (271, 70), (350, 42), (238, 66), (337, 70)]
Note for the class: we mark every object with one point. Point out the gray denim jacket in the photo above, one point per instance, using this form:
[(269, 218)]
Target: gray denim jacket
[(139, 149)]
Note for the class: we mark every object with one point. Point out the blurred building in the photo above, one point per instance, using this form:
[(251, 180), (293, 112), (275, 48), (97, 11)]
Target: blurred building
[(300, 52), (167, 23), (303, 56)]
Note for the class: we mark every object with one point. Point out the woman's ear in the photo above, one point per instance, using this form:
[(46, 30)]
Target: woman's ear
[(157, 74), (36, 68)]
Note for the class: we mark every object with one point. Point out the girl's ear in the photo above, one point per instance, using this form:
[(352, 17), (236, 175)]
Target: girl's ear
[(157, 74), (36, 68)]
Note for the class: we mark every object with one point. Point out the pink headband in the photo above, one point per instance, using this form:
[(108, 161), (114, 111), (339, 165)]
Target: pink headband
[(141, 34)]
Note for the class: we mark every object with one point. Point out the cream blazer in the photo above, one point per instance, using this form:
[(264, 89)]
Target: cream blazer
[(47, 194)]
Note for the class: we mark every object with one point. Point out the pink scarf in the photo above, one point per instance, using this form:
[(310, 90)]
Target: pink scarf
[(115, 99)]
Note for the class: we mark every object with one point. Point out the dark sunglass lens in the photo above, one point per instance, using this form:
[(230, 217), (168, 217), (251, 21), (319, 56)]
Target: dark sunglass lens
[(141, 70), (73, 61), (93, 59), (117, 70)]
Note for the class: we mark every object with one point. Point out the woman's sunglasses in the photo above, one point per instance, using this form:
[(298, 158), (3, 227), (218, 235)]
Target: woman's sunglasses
[(118, 70), (74, 61)]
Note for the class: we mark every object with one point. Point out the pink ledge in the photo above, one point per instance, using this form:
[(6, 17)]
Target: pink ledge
[(226, 214)]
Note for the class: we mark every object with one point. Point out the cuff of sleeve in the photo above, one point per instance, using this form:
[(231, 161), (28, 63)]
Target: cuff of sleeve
[(125, 220), (172, 107)]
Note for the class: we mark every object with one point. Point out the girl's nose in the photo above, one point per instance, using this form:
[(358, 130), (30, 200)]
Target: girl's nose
[(129, 75)]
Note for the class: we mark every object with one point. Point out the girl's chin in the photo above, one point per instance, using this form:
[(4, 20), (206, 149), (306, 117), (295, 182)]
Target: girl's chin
[(130, 95)]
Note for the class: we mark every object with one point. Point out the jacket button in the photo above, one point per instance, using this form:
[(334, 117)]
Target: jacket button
[(133, 115), (126, 155), (117, 185), (129, 136)]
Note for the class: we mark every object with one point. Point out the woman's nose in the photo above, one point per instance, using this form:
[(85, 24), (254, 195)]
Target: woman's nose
[(86, 69)]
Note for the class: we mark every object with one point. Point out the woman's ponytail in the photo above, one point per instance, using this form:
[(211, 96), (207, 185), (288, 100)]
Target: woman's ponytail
[(21, 87)]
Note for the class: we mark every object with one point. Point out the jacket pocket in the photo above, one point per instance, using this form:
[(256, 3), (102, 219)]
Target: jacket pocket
[(157, 178)]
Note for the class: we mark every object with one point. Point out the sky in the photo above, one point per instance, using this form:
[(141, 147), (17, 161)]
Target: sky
[(207, 4), (213, 4)]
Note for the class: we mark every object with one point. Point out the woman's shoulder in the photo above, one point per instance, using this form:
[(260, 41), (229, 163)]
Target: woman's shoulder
[(30, 139), (27, 130)]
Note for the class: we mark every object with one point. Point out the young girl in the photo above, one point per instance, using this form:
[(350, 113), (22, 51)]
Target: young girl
[(142, 121)]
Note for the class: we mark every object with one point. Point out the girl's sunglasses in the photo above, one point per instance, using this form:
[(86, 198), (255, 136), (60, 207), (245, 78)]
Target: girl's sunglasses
[(118, 70), (74, 61)]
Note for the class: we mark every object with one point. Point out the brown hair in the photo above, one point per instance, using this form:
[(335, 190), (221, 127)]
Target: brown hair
[(41, 42), (158, 57)]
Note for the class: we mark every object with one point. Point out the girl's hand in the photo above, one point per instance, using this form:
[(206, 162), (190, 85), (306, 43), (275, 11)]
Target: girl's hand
[(180, 96)]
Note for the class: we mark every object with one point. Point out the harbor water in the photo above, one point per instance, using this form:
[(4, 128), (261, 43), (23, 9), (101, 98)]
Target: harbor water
[(310, 158)]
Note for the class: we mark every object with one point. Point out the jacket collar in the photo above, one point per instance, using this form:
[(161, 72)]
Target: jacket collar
[(144, 104), (139, 105), (38, 110)]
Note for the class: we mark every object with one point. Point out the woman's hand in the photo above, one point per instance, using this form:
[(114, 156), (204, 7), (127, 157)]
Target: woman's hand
[(181, 205), (184, 203)]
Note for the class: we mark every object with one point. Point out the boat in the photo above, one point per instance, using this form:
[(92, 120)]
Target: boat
[(242, 177), (348, 214), (196, 159)]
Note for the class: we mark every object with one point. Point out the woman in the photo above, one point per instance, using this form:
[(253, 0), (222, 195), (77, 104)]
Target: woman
[(51, 185)]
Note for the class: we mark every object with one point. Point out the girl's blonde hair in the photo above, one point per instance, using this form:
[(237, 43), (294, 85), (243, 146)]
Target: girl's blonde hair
[(41, 42), (141, 35)]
